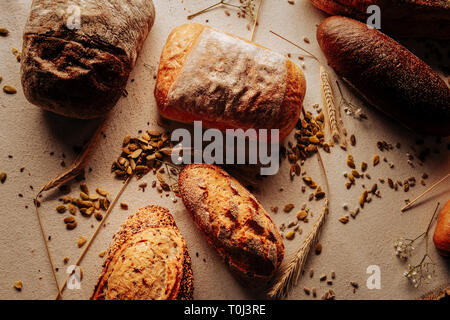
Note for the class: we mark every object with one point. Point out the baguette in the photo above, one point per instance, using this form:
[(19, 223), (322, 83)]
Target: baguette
[(400, 18), (148, 260), (441, 237), (227, 82), (233, 222), (81, 73), (387, 75)]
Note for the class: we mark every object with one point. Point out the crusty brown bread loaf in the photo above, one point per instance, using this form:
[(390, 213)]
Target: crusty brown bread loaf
[(233, 222), (441, 237), (386, 74), (81, 73), (227, 82), (148, 260), (403, 18)]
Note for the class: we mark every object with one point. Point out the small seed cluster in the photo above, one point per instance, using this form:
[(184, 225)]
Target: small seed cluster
[(87, 204), (309, 137), (140, 154), (290, 229), (329, 293)]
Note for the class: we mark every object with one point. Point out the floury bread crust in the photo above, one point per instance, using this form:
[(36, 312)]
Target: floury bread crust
[(148, 260), (227, 82), (81, 73), (233, 222)]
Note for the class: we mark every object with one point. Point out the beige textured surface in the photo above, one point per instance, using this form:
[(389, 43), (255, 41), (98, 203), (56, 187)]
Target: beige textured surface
[(29, 135)]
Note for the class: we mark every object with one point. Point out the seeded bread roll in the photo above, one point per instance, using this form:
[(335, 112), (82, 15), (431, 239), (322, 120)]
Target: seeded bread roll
[(387, 75), (227, 82), (148, 260), (403, 18), (233, 222), (82, 72)]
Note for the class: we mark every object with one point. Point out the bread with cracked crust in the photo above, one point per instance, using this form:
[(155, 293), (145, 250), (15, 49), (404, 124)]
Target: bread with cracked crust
[(233, 221), (81, 71), (148, 260), (227, 82)]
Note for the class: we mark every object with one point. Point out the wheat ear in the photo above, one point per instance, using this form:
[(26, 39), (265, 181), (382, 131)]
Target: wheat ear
[(328, 101)]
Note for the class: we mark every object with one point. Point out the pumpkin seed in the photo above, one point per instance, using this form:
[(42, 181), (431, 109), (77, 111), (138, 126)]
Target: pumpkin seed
[(3, 177), (9, 89), (290, 235), (69, 219), (363, 166), (344, 220), (102, 192), (302, 214), (288, 208), (84, 196), (71, 226), (61, 208), (376, 160), (136, 154), (81, 241), (4, 32), (72, 209), (84, 188)]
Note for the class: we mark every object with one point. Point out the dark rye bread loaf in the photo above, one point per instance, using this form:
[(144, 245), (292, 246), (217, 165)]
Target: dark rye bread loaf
[(233, 221), (387, 75), (81, 73), (403, 18), (148, 260)]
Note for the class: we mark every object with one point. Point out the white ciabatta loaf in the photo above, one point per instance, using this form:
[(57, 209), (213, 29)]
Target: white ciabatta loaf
[(148, 260), (227, 82), (233, 221)]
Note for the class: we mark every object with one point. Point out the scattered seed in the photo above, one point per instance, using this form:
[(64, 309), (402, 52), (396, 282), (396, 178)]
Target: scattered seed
[(124, 206), (3, 177), (376, 160), (4, 32), (302, 214), (9, 89), (353, 140), (102, 254), (81, 241), (333, 275), (61, 208), (288, 208), (363, 166), (351, 161), (318, 248), (18, 285), (69, 219), (290, 235), (344, 219), (311, 273), (71, 226), (307, 291), (323, 277), (102, 192)]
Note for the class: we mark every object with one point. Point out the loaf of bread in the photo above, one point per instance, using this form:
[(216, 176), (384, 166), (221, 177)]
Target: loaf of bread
[(441, 236), (387, 75), (81, 71), (148, 260), (227, 82), (412, 18), (233, 222)]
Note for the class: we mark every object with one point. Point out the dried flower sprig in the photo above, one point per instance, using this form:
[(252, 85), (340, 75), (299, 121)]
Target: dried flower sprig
[(349, 108), (424, 270), (246, 8)]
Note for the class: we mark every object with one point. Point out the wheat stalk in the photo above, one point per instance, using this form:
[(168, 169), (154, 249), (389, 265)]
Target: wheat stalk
[(291, 273), (256, 21), (328, 100)]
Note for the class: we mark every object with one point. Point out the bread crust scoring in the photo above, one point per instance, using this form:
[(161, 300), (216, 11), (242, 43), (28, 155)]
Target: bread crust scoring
[(147, 260)]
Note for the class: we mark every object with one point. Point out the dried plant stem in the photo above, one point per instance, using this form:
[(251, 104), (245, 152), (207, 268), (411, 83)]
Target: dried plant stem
[(256, 21), (291, 273), (94, 235), (206, 9), (328, 101), (75, 169), (44, 237), (425, 192), (295, 45)]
